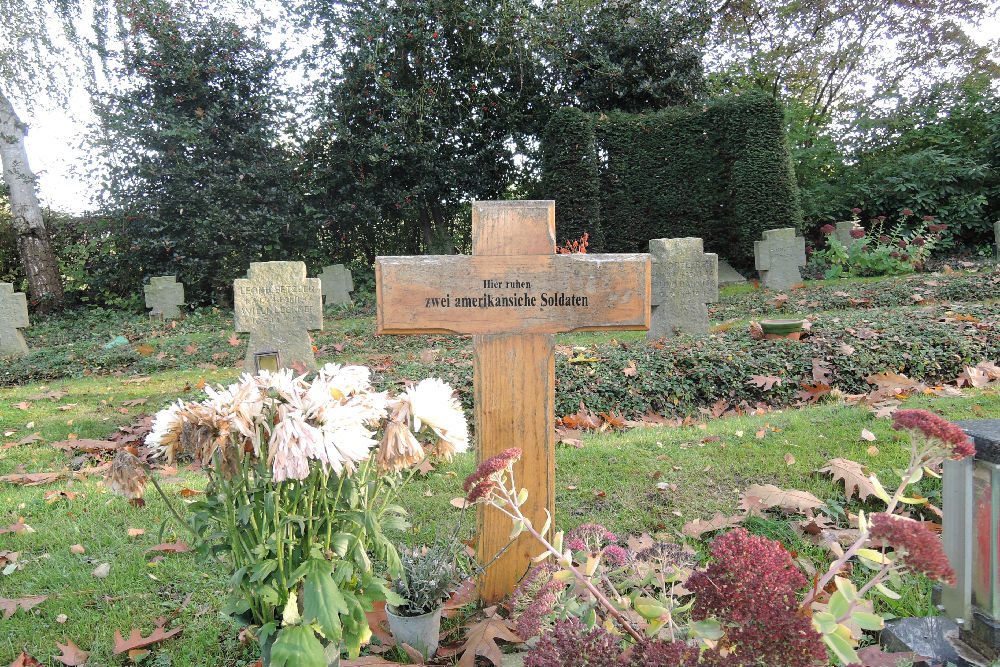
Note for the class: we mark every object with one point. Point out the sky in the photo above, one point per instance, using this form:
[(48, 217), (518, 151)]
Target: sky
[(58, 156)]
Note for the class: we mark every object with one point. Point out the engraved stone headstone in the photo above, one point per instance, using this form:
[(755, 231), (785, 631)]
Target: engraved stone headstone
[(165, 294), (996, 240), (778, 257), (337, 285), (843, 233), (684, 278), (13, 316), (278, 306), (728, 275)]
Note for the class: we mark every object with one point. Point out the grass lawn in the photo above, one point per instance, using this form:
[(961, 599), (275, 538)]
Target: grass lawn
[(644, 480)]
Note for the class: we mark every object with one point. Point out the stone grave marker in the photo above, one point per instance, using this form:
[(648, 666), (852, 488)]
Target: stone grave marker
[(996, 240), (13, 316), (512, 295), (684, 279), (337, 285), (842, 233), (165, 294), (278, 306), (728, 275), (778, 257)]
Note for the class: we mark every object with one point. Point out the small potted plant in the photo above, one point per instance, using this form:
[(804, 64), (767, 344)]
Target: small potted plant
[(429, 577)]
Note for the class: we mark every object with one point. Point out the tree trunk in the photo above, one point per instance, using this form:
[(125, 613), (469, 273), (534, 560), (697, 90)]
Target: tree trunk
[(40, 265)]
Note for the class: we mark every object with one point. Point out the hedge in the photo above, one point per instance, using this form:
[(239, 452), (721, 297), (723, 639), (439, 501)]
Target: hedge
[(720, 171)]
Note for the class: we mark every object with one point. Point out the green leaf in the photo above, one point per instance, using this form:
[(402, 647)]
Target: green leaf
[(297, 646), (262, 569), (841, 648), (708, 628), (887, 592), (824, 622), (838, 604), (873, 556), (868, 621), (518, 528), (522, 496), (322, 600), (649, 608)]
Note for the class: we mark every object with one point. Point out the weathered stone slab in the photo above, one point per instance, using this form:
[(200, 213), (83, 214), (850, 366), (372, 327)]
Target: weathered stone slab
[(729, 276), (337, 285), (778, 257), (985, 434), (277, 305), (165, 294), (996, 240), (934, 640), (13, 316), (843, 233), (684, 278)]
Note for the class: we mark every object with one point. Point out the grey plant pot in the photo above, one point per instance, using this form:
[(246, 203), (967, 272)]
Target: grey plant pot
[(421, 632)]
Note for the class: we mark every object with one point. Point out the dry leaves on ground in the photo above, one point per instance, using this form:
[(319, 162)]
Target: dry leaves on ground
[(856, 479)]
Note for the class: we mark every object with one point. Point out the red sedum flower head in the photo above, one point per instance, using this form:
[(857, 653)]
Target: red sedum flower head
[(937, 228), (935, 427), (928, 218), (857, 233), (906, 211), (918, 547), (855, 210), (828, 229), (480, 483), (919, 242)]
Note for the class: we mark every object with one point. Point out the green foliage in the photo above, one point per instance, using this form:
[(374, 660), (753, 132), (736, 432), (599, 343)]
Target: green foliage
[(720, 171), (425, 107), (627, 55), (428, 578), (197, 183), (880, 251), (570, 176)]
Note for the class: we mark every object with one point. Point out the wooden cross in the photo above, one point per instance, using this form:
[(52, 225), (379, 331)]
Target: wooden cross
[(512, 295)]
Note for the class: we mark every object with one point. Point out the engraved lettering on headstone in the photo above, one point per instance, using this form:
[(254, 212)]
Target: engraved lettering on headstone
[(278, 305), (684, 278), (778, 257)]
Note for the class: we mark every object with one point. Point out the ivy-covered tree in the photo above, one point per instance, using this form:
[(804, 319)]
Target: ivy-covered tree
[(197, 179), (623, 55), (423, 107)]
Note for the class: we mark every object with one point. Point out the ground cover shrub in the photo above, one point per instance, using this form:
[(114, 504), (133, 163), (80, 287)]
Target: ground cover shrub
[(969, 283)]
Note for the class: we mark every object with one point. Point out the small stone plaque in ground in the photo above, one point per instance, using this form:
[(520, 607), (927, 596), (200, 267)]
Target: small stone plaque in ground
[(165, 294), (13, 316), (778, 257), (337, 285), (277, 305), (684, 278)]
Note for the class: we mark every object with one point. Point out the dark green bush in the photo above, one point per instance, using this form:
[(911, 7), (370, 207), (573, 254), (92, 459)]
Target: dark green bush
[(720, 171), (570, 176)]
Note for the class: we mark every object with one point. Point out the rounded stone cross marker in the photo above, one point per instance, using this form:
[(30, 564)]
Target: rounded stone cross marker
[(165, 294), (337, 285), (278, 306), (778, 257), (684, 279), (13, 316)]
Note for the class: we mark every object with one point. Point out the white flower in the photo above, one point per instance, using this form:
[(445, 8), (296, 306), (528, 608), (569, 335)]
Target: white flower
[(293, 442), (166, 431), (431, 403), (346, 380)]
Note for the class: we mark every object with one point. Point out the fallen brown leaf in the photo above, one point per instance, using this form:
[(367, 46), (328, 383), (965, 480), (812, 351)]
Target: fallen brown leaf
[(71, 654), (136, 640)]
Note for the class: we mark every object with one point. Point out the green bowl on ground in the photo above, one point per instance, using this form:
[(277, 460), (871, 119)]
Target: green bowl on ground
[(780, 327)]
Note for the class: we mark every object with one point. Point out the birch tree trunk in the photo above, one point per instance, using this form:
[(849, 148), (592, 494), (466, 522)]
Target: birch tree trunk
[(33, 243)]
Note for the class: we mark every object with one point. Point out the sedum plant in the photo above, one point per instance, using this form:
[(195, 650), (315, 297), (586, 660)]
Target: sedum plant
[(303, 480), (880, 252)]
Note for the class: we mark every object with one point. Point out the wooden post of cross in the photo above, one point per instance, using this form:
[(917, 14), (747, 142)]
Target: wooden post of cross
[(513, 294)]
